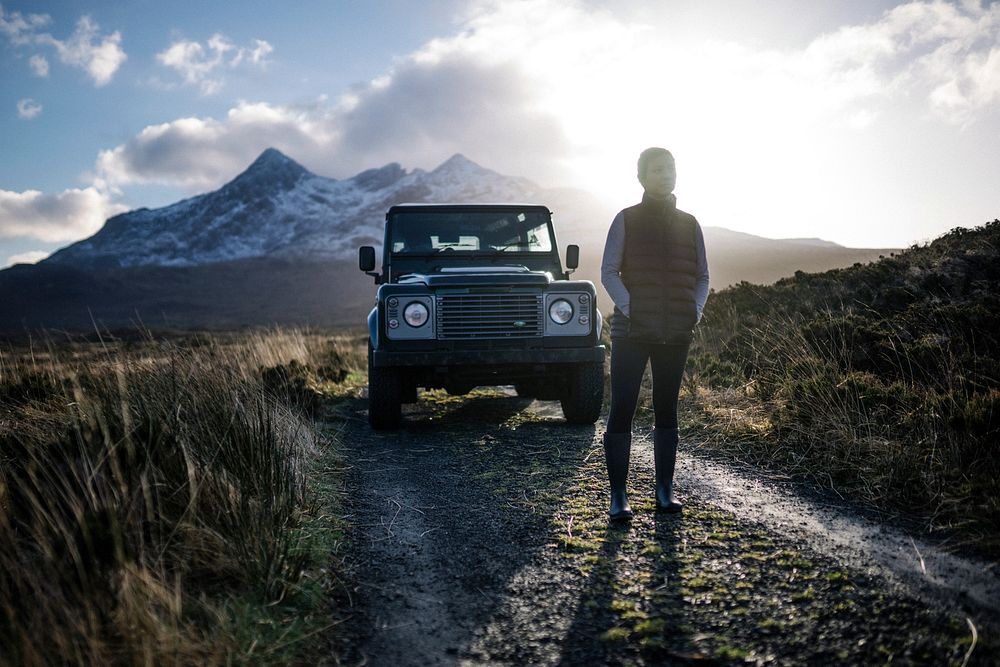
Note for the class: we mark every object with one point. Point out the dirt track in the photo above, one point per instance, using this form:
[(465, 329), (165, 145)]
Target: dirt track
[(480, 537)]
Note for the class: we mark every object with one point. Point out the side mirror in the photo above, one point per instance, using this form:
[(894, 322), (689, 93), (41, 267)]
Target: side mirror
[(366, 261), (572, 256), (366, 258)]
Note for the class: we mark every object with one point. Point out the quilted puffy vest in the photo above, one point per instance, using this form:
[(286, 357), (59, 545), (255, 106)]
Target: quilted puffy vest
[(659, 268)]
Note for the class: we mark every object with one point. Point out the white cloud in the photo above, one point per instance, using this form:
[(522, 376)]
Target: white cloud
[(533, 85), (943, 53), (255, 56), (39, 65), (200, 65), (99, 55), (28, 108), (21, 29), (862, 119), (483, 110), (30, 257), (67, 216), (198, 153)]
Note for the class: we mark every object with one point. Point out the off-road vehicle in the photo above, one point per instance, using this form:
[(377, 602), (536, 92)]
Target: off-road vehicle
[(472, 295)]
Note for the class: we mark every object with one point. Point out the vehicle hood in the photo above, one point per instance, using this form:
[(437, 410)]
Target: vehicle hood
[(486, 275)]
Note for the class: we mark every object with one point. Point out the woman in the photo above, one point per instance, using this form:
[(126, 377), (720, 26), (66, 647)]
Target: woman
[(656, 273)]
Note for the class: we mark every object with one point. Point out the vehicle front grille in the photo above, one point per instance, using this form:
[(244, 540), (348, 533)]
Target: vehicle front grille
[(489, 315)]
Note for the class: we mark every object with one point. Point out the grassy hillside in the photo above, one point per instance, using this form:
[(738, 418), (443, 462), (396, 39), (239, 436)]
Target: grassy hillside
[(880, 381)]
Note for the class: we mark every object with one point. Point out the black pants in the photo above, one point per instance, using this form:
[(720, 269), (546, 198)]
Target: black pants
[(628, 363)]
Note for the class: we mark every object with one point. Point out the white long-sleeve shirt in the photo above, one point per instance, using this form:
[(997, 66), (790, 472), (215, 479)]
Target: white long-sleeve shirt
[(611, 266)]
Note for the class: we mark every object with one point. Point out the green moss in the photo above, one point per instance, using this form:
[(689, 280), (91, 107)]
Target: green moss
[(622, 605), (726, 535), (653, 642), (753, 557), (615, 635), (845, 607), (634, 615), (697, 582), (803, 596), (652, 549), (731, 653), (650, 626), (521, 418), (770, 624), (577, 544)]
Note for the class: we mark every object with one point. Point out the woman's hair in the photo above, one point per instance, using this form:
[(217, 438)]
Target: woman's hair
[(646, 155)]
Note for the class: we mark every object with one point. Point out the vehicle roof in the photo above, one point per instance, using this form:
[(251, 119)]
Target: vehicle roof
[(398, 208)]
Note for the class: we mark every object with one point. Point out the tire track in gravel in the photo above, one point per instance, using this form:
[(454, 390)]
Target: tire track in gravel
[(480, 538), (916, 566), (434, 540)]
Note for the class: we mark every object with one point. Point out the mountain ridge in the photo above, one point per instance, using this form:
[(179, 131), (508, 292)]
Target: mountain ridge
[(277, 244), (277, 207)]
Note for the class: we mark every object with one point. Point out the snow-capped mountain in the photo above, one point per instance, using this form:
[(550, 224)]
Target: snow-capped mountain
[(277, 208), (278, 245)]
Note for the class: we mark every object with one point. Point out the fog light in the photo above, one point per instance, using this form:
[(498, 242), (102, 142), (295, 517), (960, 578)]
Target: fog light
[(584, 319), (393, 324)]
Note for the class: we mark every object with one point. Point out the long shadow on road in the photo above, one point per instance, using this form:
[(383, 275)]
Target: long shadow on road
[(448, 512)]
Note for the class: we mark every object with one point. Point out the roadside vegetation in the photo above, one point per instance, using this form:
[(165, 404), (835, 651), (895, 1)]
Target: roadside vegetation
[(880, 382), (168, 500)]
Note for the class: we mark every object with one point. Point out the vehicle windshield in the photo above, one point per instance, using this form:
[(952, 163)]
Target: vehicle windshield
[(474, 232)]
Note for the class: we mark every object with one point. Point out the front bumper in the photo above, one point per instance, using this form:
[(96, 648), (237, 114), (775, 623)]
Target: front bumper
[(518, 357)]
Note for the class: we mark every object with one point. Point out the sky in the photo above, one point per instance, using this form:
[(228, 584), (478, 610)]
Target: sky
[(867, 123)]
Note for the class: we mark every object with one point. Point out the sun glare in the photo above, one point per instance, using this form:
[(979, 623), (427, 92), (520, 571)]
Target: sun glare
[(756, 149)]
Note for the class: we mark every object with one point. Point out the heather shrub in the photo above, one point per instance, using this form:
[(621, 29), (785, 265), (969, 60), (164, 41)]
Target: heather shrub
[(709, 369), (881, 380)]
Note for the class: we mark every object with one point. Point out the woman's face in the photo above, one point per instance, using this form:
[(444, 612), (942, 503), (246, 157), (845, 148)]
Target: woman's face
[(660, 177)]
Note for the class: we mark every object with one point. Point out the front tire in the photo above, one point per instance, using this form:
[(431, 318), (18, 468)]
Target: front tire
[(385, 396), (583, 397)]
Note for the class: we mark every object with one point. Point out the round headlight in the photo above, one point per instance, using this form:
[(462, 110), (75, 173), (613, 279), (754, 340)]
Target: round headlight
[(561, 311), (415, 314)]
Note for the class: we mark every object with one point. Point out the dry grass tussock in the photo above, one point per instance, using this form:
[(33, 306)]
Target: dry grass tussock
[(144, 485)]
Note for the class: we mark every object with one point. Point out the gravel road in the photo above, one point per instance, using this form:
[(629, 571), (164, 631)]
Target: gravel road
[(480, 538)]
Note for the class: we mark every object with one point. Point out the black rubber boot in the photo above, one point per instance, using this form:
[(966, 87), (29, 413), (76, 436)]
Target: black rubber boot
[(664, 458), (617, 447)]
